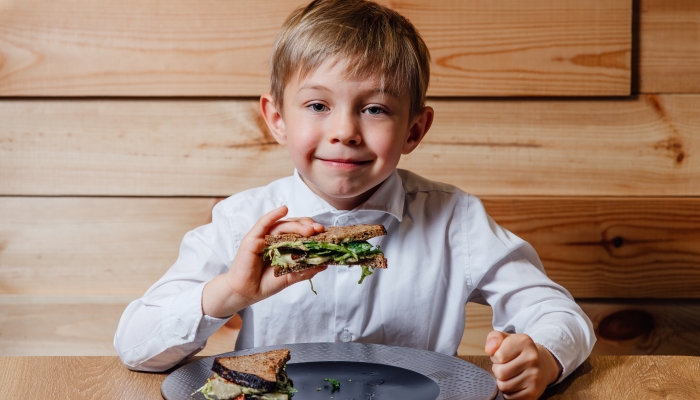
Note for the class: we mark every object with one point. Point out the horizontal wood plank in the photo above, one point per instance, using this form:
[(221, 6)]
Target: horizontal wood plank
[(221, 48), (525, 48), (92, 246), (622, 327), (645, 146), (642, 146), (59, 326), (76, 326), (123, 147), (611, 247), (646, 327), (85, 326), (669, 50)]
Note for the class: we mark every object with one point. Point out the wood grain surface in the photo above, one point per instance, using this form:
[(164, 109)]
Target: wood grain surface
[(599, 378), (166, 147), (221, 48), (631, 327), (75, 378), (59, 325), (497, 48), (85, 326), (477, 326), (622, 327), (611, 247), (617, 377), (643, 146), (669, 49), (92, 246), (649, 378), (595, 247)]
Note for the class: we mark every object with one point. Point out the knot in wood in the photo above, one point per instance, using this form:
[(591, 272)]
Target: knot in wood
[(626, 325), (617, 242)]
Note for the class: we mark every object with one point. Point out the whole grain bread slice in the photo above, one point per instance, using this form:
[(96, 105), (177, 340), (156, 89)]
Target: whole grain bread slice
[(333, 234), (257, 371), (374, 261)]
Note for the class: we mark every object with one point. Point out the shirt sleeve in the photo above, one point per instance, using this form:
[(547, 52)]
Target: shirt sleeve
[(507, 274), (166, 325)]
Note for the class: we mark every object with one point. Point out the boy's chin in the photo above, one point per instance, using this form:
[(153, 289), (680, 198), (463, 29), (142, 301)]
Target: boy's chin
[(356, 197), (347, 195), (341, 193), (345, 199)]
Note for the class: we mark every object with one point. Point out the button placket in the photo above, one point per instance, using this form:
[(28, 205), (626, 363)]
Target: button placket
[(345, 336)]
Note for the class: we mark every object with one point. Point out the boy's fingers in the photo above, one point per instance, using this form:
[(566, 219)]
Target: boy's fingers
[(512, 386), (508, 370), (493, 341), (309, 222), (511, 347), (523, 394), (293, 227), (260, 229), (519, 387)]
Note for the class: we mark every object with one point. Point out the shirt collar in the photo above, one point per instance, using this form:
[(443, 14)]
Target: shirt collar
[(388, 199)]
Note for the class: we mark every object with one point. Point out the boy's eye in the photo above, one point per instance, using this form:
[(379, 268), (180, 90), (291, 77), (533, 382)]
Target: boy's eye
[(374, 110), (317, 107)]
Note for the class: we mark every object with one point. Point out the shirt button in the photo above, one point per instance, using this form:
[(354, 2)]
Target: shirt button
[(345, 336), (343, 220)]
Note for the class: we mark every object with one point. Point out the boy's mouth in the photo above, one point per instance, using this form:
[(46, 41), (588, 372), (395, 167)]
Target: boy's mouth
[(344, 163)]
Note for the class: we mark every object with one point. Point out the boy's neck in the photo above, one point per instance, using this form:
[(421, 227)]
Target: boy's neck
[(344, 204)]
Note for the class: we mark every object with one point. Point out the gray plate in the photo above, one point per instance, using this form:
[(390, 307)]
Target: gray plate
[(456, 379)]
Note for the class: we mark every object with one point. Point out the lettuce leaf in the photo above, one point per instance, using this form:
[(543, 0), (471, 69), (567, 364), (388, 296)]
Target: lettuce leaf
[(342, 253), (280, 254), (365, 273)]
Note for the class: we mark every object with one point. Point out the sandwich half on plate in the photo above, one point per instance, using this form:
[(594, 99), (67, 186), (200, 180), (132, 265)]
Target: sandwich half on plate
[(255, 377), (338, 245)]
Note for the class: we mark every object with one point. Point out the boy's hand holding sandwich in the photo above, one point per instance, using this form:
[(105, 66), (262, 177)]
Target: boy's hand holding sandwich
[(248, 282)]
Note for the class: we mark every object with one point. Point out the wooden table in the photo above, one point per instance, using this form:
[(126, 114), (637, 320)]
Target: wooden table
[(600, 377)]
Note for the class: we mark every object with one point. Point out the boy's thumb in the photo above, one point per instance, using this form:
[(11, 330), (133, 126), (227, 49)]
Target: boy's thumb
[(493, 341)]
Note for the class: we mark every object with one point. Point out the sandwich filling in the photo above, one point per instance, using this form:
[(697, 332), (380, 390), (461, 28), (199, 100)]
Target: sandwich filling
[(223, 389), (286, 254)]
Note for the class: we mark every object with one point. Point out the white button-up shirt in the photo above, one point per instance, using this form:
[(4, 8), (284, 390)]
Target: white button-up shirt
[(442, 250)]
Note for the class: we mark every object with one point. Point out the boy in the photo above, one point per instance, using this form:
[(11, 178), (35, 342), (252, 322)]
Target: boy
[(348, 99)]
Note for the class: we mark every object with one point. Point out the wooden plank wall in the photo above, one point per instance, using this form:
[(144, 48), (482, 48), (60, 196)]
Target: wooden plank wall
[(121, 125), (221, 48)]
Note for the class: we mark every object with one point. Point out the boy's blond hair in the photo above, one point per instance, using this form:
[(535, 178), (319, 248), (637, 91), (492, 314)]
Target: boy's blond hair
[(368, 37)]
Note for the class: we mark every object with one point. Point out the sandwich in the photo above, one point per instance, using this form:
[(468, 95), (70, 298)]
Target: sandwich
[(338, 245), (259, 376)]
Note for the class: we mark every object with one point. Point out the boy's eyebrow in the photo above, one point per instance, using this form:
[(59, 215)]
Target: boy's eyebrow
[(376, 90), (314, 87)]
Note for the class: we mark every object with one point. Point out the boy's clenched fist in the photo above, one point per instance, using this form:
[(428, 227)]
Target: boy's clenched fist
[(522, 368)]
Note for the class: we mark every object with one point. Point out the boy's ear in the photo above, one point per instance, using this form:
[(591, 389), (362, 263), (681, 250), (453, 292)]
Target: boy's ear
[(416, 131), (273, 118)]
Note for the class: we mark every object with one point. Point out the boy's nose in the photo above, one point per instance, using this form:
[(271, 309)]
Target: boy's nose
[(345, 130)]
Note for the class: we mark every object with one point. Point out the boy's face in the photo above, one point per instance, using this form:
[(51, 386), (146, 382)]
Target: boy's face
[(345, 136)]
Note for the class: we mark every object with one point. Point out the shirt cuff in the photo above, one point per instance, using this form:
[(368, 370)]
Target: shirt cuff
[(184, 322), (562, 348)]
